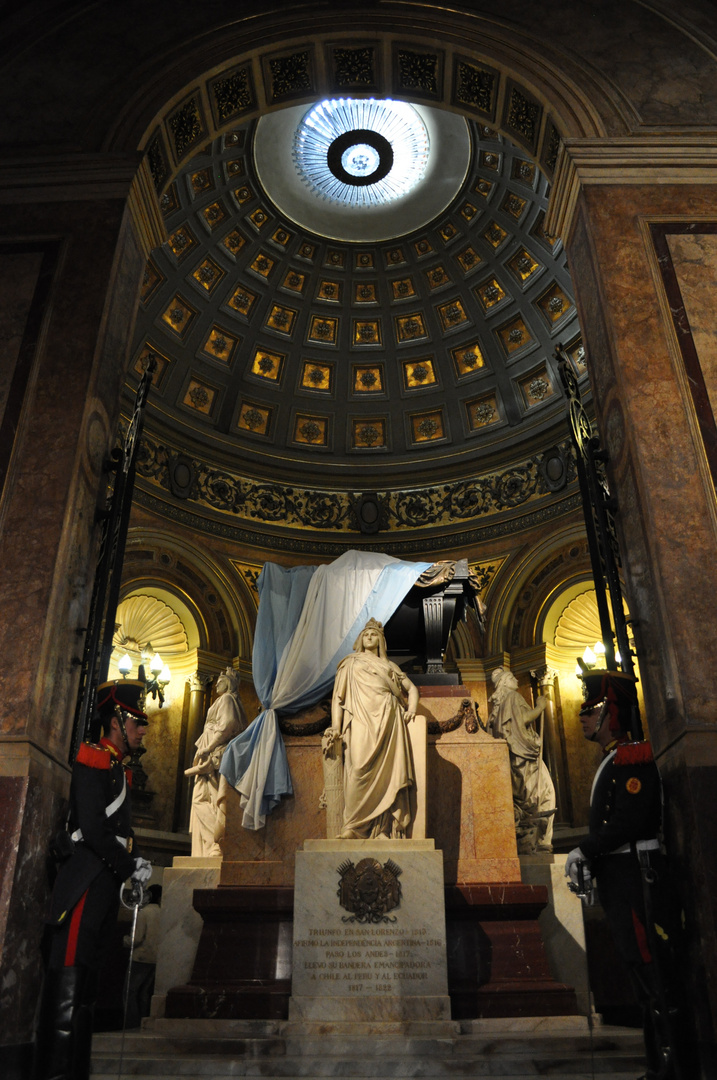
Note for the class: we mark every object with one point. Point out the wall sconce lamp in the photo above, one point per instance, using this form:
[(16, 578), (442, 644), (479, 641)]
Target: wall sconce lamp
[(159, 671), (592, 658)]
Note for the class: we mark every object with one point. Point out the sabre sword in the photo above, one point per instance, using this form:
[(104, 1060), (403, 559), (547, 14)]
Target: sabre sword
[(586, 893), (134, 906)]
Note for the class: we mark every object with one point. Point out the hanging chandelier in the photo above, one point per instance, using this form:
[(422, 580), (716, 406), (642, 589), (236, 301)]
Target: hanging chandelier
[(361, 152)]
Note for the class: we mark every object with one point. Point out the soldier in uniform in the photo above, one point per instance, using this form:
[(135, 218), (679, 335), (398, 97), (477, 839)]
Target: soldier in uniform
[(622, 853), (85, 898)]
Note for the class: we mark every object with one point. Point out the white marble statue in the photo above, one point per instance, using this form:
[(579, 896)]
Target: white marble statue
[(225, 719), (513, 719), (369, 717)]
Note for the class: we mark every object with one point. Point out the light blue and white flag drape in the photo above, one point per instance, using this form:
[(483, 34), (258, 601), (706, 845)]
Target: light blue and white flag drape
[(308, 620)]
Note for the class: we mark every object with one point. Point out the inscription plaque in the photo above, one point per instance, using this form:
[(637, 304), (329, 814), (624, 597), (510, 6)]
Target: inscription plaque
[(370, 964)]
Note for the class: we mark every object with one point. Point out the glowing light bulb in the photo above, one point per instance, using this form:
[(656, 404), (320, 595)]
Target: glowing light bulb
[(589, 656), (125, 666)]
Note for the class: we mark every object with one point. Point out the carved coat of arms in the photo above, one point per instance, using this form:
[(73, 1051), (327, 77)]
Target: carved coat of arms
[(369, 890)]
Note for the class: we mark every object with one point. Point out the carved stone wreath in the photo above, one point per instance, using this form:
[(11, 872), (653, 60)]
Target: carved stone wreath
[(466, 714), (311, 721)]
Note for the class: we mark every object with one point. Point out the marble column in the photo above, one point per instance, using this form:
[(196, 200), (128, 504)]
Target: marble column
[(74, 237), (553, 748), (639, 222), (198, 684)]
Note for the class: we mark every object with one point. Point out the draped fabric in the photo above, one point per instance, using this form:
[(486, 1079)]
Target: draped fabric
[(308, 620)]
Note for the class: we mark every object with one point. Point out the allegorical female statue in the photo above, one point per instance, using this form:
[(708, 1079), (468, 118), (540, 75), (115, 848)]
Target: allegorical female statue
[(369, 716), (225, 719), (513, 719)]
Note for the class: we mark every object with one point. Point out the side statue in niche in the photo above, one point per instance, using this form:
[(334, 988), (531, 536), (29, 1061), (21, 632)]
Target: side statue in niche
[(513, 719), (373, 701), (225, 719)]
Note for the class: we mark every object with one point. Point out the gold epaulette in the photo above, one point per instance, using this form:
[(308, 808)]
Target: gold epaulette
[(96, 757), (633, 753)]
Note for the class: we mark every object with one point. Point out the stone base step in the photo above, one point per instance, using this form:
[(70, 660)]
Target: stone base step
[(144, 1069), (212, 1073), (506, 1068), (513, 1049)]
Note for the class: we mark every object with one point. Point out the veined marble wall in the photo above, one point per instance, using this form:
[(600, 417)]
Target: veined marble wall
[(662, 474), (690, 286), (61, 340), (19, 272)]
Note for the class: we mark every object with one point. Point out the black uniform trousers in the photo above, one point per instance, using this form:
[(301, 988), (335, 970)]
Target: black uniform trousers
[(648, 943), (81, 938)]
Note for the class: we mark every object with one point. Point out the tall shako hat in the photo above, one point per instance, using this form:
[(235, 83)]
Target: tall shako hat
[(619, 690), (127, 694)]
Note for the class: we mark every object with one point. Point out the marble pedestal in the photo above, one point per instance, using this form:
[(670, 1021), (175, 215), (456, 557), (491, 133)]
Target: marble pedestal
[(180, 925), (387, 963), (561, 924), (467, 807), (243, 966), (495, 959)]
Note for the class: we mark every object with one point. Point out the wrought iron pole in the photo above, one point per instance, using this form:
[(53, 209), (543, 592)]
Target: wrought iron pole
[(108, 575), (599, 508)]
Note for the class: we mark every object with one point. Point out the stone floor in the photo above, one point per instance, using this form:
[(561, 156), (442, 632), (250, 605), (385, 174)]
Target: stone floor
[(512, 1049)]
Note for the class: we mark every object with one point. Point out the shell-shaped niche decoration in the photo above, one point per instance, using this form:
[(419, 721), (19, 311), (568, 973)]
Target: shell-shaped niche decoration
[(579, 624), (143, 619)]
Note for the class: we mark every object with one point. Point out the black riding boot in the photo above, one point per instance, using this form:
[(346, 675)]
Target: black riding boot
[(64, 1032), (84, 1021)]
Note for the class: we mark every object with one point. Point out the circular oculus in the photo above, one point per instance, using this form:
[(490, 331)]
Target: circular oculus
[(360, 157), (361, 151)]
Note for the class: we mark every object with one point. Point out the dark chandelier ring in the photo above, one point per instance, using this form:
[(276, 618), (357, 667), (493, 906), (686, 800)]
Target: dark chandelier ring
[(351, 138)]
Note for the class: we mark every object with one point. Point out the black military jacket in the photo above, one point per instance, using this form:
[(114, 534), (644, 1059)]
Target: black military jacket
[(626, 802), (98, 777)]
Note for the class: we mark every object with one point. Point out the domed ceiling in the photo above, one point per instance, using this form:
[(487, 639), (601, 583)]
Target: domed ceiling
[(283, 355)]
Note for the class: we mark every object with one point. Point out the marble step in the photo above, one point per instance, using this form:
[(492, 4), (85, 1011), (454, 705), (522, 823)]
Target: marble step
[(504, 1032), (317, 1069), (210, 1069), (210, 1072), (201, 1051), (371, 1054)]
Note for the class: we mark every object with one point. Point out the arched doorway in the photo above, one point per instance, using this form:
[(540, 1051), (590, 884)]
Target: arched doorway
[(625, 172)]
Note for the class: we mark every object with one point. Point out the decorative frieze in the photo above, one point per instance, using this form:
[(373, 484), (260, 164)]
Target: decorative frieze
[(304, 508)]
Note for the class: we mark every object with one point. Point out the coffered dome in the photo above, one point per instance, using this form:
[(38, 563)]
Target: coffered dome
[(286, 354)]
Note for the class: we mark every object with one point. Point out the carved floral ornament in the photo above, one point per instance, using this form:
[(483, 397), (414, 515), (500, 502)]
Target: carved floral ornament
[(304, 508)]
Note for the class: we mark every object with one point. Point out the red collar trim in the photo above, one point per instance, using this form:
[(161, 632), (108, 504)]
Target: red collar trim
[(107, 744)]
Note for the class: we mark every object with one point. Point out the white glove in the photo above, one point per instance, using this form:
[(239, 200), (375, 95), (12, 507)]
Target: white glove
[(571, 866), (142, 870)]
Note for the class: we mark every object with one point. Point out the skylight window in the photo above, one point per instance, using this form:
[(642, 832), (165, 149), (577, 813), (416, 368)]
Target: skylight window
[(360, 151)]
